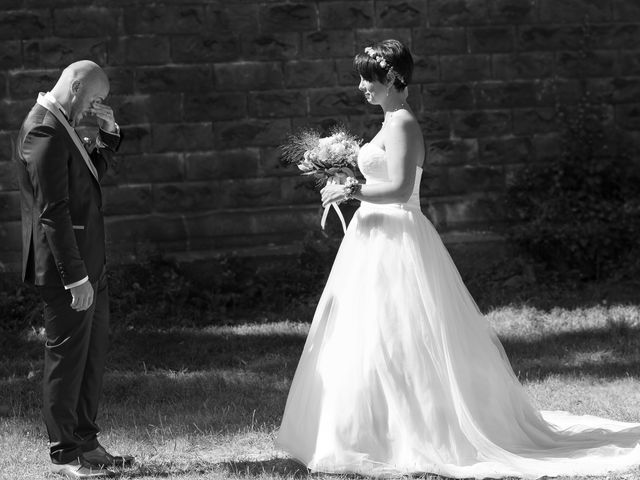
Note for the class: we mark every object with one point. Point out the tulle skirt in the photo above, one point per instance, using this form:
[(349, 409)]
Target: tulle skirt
[(402, 374)]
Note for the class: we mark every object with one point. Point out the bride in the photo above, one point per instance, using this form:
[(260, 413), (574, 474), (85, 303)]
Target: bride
[(400, 372)]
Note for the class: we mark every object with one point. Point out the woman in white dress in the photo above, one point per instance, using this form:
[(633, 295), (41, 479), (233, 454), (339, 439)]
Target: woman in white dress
[(400, 372)]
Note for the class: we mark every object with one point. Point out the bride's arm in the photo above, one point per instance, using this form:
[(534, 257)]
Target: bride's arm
[(401, 151)]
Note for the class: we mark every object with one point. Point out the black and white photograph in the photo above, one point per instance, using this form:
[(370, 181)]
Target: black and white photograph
[(319, 239)]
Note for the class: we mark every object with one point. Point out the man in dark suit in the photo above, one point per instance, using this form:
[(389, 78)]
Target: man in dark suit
[(64, 256)]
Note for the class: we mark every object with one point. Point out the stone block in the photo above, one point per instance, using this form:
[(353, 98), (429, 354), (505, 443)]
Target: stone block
[(204, 48), (445, 96), (435, 124), (336, 101), (271, 46), (314, 73), (346, 73), (506, 150), (156, 108), (512, 11), (8, 176), (186, 196), (278, 104), (475, 178), (239, 17), (140, 50), (59, 52), (628, 116), (526, 65), (366, 37), (345, 15), (12, 113), (135, 139), (121, 80), (574, 11), (439, 40), (3, 85), (465, 68), (250, 192), (181, 137), (548, 37), (481, 123), (11, 237), (299, 190), (251, 133), (629, 62), (206, 106), (10, 56), (176, 78), (615, 90), (25, 24), (224, 164), (9, 206), (127, 199), (598, 63), (626, 10), (248, 76), (151, 168), (434, 181), (547, 147), (458, 12), (270, 165), (7, 146), (267, 220), (614, 36), (288, 17), (460, 212), (534, 120), (328, 44), (128, 233), (452, 152), (394, 14), (27, 83), (85, 21), (165, 19), (494, 39), (426, 69), (505, 95)]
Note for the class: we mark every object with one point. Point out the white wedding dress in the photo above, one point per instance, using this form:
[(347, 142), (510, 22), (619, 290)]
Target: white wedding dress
[(402, 374)]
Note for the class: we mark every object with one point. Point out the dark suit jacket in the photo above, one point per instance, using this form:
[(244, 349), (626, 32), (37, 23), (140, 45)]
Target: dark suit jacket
[(62, 223)]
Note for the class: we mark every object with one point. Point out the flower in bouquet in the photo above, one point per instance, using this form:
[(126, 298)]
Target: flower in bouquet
[(323, 157), (327, 159)]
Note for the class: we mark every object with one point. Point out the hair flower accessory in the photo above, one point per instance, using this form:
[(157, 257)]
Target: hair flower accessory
[(392, 75)]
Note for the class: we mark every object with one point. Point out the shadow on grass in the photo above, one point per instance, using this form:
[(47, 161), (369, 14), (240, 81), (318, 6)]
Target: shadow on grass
[(275, 467)]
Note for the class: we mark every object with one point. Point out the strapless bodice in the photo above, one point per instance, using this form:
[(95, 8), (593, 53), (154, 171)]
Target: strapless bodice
[(372, 162)]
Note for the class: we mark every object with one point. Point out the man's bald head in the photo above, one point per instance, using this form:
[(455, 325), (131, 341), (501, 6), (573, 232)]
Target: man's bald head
[(84, 71), (79, 85)]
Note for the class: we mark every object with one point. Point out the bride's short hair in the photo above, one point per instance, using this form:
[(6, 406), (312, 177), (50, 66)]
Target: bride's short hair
[(384, 61)]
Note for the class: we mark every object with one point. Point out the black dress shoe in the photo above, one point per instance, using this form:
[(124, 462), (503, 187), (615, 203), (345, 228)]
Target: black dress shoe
[(99, 457), (80, 468)]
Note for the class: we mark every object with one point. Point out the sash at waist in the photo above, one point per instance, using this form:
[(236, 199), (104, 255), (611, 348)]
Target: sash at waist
[(409, 206)]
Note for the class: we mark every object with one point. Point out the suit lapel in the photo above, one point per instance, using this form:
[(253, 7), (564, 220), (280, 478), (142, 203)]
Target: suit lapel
[(42, 100)]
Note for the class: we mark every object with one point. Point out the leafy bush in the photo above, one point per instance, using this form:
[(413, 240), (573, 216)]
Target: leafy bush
[(582, 212)]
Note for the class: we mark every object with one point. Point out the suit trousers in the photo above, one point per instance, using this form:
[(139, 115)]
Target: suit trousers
[(74, 360)]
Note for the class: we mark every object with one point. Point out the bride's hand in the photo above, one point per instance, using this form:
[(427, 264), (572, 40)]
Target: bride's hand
[(332, 193)]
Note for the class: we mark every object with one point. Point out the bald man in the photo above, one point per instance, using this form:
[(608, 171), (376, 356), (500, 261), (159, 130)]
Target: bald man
[(64, 256)]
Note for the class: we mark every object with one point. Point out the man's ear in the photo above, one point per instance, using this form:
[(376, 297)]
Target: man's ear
[(75, 86)]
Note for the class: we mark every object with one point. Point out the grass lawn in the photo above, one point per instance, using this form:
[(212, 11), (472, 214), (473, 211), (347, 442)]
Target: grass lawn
[(194, 403)]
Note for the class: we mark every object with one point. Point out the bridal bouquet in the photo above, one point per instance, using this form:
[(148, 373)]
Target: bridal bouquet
[(329, 159)]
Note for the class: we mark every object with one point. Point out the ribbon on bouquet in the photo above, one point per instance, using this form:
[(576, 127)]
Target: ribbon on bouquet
[(325, 214)]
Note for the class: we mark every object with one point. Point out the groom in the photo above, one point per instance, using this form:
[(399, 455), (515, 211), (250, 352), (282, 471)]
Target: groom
[(64, 256)]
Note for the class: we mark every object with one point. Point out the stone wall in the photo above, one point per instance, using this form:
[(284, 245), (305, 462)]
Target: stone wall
[(205, 90)]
